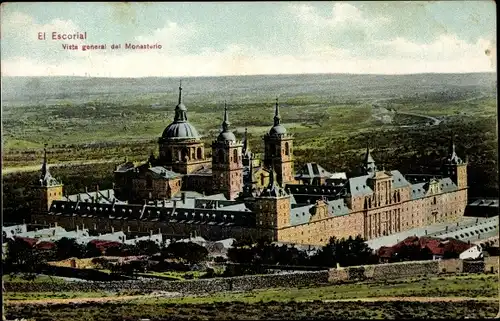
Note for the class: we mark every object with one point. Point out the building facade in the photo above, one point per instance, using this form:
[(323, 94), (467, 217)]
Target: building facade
[(232, 195)]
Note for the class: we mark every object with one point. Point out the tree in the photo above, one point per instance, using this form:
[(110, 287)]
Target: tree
[(346, 252), (188, 251), (67, 247), (23, 258), (147, 247), (91, 250)]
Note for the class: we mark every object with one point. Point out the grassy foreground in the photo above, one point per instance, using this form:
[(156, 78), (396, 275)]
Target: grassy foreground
[(287, 303)]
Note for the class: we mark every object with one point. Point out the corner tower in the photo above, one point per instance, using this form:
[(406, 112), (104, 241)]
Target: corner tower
[(455, 168), (278, 153), (180, 146), (49, 188), (272, 207), (227, 162)]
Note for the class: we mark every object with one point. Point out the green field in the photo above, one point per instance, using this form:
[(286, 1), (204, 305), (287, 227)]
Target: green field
[(476, 293)]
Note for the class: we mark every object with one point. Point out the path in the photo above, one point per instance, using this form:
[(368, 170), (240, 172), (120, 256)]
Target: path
[(134, 297), (433, 119), (32, 168)]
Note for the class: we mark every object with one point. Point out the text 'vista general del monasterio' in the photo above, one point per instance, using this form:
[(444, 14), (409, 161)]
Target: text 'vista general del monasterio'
[(84, 47)]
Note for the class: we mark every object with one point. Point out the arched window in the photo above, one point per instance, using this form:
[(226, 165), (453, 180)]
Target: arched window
[(199, 153), (262, 179), (235, 155), (220, 156), (184, 154), (169, 155), (287, 149)]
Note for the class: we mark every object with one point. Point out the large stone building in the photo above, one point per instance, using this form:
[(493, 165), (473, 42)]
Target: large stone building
[(230, 194)]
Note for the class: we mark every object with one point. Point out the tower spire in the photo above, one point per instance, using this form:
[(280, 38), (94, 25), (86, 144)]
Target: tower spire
[(225, 123), (44, 164), (180, 91), (245, 143), (277, 117), (180, 109)]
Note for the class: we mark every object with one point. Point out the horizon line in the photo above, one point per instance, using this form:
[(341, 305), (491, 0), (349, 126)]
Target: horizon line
[(254, 75)]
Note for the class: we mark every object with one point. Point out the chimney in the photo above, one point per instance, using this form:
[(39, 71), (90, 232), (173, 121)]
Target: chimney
[(183, 196), (97, 189), (55, 224), (86, 189), (175, 203), (113, 185), (109, 194), (128, 229), (77, 228), (95, 227), (151, 233), (112, 229)]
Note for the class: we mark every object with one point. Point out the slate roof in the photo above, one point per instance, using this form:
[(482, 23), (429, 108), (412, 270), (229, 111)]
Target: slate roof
[(300, 215), (337, 207), (357, 186), (398, 180), (418, 190), (312, 170), (163, 172), (447, 185), (103, 196), (219, 197)]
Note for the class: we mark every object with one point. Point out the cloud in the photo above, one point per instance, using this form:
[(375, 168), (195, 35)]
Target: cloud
[(343, 40)]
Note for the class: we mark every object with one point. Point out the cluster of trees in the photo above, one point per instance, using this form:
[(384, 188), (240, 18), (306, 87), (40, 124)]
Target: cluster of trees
[(24, 258), (344, 252)]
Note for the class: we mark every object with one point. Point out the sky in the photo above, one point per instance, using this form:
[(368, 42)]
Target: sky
[(250, 38)]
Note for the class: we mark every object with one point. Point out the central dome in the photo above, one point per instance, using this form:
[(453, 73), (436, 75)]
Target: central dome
[(181, 130)]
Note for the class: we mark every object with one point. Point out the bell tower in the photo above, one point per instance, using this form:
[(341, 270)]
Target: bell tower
[(455, 168), (49, 188), (227, 162), (279, 150)]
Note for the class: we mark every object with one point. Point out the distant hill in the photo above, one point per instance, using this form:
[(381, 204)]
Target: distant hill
[(48, 90)]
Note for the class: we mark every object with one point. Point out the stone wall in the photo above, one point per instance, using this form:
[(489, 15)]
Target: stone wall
[(242, 283), (491, 264), (411, 269), (451, 266)]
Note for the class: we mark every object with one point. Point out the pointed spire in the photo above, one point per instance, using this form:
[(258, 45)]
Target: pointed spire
[(452, 155), (369, 164), (368, 156), (180, 92), (277, 117), (44, 164), (451, 149), (225, 123), (180, 109), (245, 143)]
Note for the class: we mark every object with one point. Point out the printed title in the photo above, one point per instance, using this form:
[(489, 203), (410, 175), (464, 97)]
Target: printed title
[(84, 47)]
